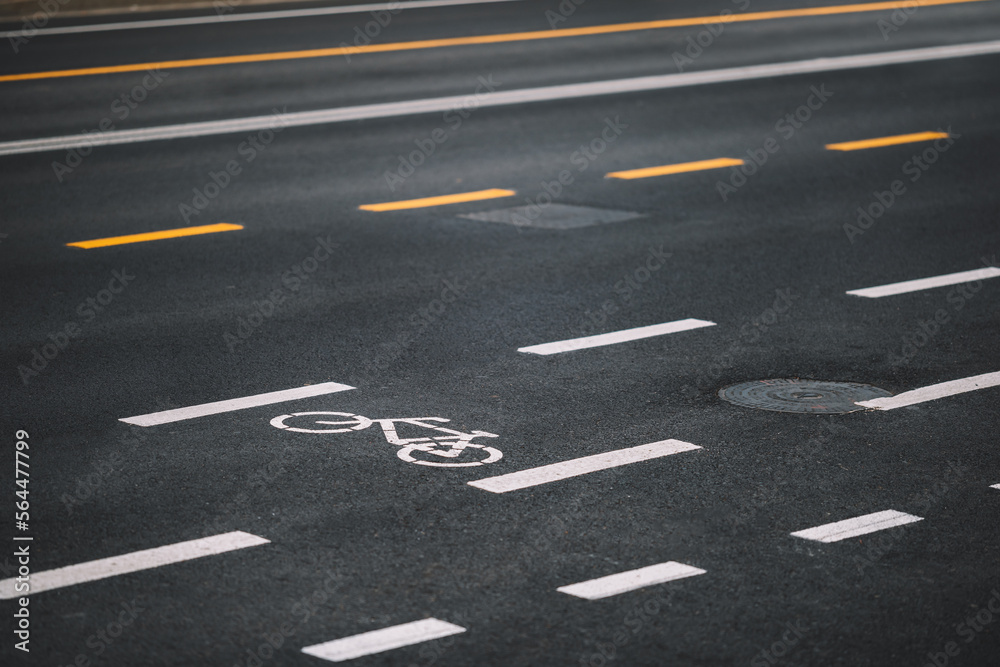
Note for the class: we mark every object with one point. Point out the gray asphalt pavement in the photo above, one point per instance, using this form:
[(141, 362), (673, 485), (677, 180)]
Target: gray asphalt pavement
[(421, 311)]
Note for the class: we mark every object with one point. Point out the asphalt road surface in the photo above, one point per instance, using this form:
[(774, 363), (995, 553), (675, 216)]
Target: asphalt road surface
[(342, 266)]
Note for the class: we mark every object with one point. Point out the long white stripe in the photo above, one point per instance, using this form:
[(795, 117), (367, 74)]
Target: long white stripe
[(500, 98), (179, 414), (995, 486), (615, 584), (248, 16), (926, 283), (934, 392), (861, 525), (616, 337), (587, 464), (385, 639), (133, 562)]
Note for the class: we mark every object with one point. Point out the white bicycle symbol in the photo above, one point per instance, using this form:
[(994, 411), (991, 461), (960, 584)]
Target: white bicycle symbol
[(449, 446)]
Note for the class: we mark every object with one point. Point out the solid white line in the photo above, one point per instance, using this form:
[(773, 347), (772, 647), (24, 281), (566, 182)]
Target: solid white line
[(934, 392), (616, 337), (574, 467), (179, 414), (500, 98), (248, 16), (623, 582), (385, 639), (927, 283), (861, 525), (134, 562)]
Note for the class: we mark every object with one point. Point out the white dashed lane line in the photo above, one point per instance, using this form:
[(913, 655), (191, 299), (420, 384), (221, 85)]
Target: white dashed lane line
[(995, 486), (385, 639), (904, 287), (180, 414), (128, 563), (575, 467), (934, 392), (614, 337), (860, 525), (623, 582)]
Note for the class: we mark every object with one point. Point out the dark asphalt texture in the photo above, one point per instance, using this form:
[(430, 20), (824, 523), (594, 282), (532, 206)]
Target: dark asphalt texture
[(391, 542)]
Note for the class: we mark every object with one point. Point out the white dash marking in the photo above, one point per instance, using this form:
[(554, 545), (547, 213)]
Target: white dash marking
[(860, 525), (926, 283), (995, 486), (385, 639), (616, 337), (134, 562), (575, 467), (623, 582), (933, 392), (180, 414)]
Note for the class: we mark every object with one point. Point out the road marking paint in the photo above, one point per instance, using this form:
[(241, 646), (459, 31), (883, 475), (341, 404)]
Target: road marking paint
[(581, 466), (247, 16), (860, 525), (934, 392), (995, 486), (680, 168), (623, 582), (425, 202), (497, 99), (478, 39), (136, 561), (616, 337), (926, 283), (156, 236), (180, 414), (386, 639), (886, 141)]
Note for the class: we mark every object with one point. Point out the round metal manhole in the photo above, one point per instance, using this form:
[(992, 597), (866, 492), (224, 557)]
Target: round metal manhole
[(794, 395)]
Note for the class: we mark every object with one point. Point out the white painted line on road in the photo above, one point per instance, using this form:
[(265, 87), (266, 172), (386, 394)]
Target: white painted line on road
[(385, 639), (180, 414), (861, 525), (616, 337), (995, 486), (926, 283), (216, 19), (934, 392), (623, 582), (575, 467), (499, 98), (127, 563)]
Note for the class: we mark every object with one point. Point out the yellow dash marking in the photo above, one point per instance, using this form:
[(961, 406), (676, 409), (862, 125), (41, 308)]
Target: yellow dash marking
[(156, 236), (484, 39), (438, 201), (886, 141), (680, 168)]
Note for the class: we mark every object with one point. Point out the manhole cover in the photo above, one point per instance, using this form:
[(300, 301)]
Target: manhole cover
[(795, 395), (553, 216)]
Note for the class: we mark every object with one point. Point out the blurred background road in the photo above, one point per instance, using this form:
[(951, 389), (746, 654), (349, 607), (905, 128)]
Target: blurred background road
[(492, 238)]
